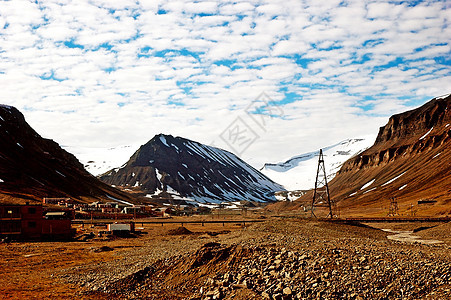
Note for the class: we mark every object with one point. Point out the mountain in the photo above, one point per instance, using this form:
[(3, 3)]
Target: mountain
[(192, 171), (410, 161), (299, 172), (32, 167)]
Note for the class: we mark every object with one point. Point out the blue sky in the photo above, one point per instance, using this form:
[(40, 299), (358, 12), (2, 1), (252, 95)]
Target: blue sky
[(106, 73)]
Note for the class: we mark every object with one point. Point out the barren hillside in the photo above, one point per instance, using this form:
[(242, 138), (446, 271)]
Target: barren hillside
[(32, 167), (410, 161)]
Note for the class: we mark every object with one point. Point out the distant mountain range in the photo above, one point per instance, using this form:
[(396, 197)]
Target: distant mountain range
[(32, 167), (409, 161), (299, 172), (170, 166)]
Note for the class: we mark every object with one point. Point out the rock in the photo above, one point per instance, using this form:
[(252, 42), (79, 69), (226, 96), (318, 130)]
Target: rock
[(287, 291)]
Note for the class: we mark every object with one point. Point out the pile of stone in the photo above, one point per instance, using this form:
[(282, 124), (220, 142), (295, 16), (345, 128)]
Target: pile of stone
[(331, 274)]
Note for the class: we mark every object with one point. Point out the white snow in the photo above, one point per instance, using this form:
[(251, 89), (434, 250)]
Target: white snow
[(355, 193), (181, 175), (367, 184), (185, 166), (19, 145), (163, 140), (393, 179), (446, 125), (402, 187), (299, 172), (1, 180), (280, 198), (443, 96), (136, 184), (370, 190), (60, 173), (121, 201), (426, 133), (436, 155)]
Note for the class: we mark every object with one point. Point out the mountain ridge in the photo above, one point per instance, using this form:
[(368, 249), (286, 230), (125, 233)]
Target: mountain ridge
[(410, 162), (191, 169)]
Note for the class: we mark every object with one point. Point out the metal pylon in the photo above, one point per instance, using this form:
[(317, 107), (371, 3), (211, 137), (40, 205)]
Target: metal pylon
[(393, 209), (321, 196)]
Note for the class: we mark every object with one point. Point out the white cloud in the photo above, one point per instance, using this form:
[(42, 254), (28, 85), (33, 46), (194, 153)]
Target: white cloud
[(104, 73)]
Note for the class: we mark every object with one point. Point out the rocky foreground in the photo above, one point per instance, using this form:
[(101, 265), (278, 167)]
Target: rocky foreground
[(278, 259)]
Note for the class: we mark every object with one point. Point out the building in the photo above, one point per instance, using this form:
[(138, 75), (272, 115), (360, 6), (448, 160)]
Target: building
[(58, 201), (30, 222), (121, 228)]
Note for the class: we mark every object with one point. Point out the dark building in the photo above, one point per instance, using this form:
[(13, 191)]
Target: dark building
[(30, 222)]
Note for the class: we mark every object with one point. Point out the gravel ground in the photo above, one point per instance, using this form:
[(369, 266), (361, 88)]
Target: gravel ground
[(277, 259)]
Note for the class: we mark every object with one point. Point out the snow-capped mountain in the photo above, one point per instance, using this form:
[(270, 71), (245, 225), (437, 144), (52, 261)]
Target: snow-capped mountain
[(100, 160), (410, 160), (409, 163), (299, 172), (192, 170)]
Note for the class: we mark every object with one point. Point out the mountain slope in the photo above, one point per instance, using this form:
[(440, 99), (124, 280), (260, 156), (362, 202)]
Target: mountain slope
[(32, 167), (203, 173), (410, 161), (299, 172)]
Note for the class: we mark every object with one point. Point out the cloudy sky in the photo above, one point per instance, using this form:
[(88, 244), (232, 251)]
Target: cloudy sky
[(266, 79)]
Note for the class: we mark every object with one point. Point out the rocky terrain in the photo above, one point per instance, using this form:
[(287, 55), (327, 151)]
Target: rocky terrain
[(409, 161), (175, 167), (276, 259), (32, 167), (281, 265)]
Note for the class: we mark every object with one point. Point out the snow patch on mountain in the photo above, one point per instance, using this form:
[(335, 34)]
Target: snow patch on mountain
[(367, 184), (299, 172), (163, 140), (393, 179), (426, 134)]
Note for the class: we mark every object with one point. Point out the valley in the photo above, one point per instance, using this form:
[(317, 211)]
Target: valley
[(225, 150)]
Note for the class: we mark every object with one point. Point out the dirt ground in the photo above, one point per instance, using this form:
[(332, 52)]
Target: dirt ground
[(29, 270), (163, 263)]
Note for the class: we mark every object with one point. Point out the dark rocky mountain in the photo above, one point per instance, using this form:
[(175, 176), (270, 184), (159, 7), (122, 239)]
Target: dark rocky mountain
[(32, 167), (409, 161), (187, 169)]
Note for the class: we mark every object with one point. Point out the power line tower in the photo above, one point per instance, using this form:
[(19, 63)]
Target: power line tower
[(393, 209), (321, 196)]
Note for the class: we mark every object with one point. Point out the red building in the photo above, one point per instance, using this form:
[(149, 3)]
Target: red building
[(30, 222)]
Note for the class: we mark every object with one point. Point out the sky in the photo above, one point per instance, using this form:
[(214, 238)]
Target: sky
[(265, 79)]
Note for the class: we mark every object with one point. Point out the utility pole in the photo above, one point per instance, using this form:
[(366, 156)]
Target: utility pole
[(321, 195)]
